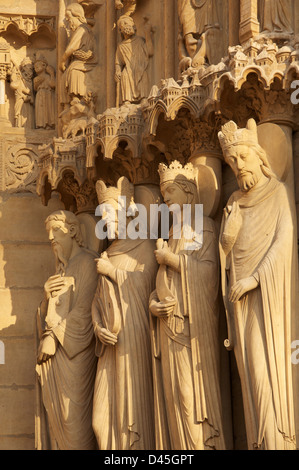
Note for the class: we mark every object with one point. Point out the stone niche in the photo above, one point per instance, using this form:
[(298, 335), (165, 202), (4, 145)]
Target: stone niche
[(114, 91)]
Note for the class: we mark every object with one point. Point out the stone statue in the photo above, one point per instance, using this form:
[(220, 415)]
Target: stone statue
[(123, 417), (27, 71), (79, 56), (256, 245), (131, 62), (277, 16), (44, 86), (66, 361), (198, 20), (75, 117), (128, 6), (184, 326), (21, 84)]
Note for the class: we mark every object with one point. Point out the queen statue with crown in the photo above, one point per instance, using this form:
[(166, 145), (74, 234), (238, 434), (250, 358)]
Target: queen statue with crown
[(184, 326)]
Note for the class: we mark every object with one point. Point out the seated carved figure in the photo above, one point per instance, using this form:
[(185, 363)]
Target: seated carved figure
[(256, 248), (66, 361), (184, 324)]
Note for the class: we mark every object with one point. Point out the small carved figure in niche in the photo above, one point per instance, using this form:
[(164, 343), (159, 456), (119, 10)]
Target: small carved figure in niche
[(129, 6), (27, 71), (44, 86), (277, 16), (256, 250), (79, 56), (66, 362), (132, 61), (123, 416), (76, 116), (184, 322), (198, 19), (23, 94)]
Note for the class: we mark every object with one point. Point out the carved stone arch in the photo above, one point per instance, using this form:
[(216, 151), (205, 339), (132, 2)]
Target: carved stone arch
[(180, 103), (291, 75), (44, 37), (42, 184), (241, 104), (153, 119), (114, 144), (171, 112)]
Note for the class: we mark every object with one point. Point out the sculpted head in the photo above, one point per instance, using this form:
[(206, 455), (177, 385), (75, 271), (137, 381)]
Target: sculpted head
[(75, 15), (40, 64), (243, 154), (64, 234), (126, 26), (27, 68), (178, 184), (115, 200)]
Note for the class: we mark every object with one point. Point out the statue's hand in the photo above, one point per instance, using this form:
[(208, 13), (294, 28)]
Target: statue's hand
[(162, 251), (242, 287), (62, 66), (47, 348), (106, 337), (162, 309), (118, 4), (117, 77), (233, 223), (54, 284), (104, 266)]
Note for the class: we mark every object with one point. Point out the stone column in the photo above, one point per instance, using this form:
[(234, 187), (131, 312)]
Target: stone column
[(249, 24), (2, 91), (208, 161), (296, 173), (209, 164), (5, 65), (61, 46)]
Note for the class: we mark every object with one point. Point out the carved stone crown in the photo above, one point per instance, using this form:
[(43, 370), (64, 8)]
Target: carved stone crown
[(177, 172), (123, 188), (231, 135)]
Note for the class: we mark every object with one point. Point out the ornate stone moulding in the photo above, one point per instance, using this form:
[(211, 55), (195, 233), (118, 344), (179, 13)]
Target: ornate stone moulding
[(263, 57), (27, 25), (199, 90), (172, 96), (113, 127), (58, 158), (20, 169)]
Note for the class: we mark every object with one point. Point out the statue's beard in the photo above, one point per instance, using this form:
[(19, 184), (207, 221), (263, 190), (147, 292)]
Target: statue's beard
[(61, 261), (247, 181), (128, 30)]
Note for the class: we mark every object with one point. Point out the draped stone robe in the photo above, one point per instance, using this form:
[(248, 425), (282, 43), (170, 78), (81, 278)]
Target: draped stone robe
[(196, 15), (74, 77), (123, 416), (66, 380), (133, 59), (260, 323), (185, 349), (277, 15)]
